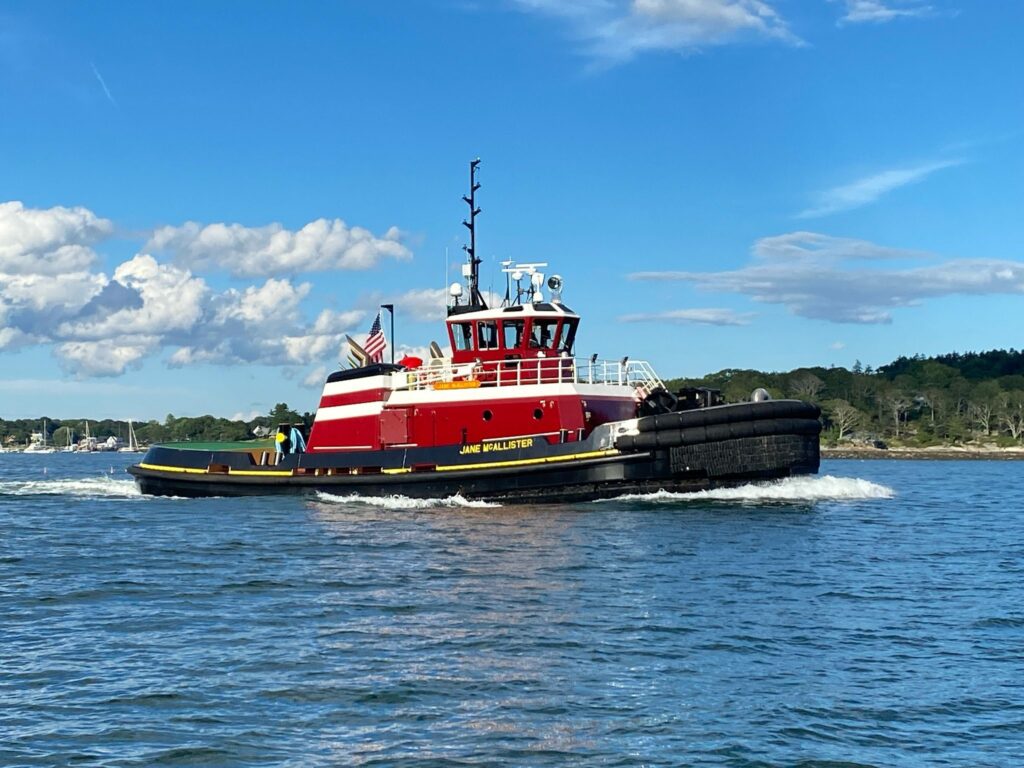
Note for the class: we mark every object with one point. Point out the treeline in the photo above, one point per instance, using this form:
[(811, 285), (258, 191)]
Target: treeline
[(172, 429), (955, 398)]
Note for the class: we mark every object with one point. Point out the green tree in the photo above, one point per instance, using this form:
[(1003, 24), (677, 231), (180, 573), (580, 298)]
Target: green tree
[(282, 414)]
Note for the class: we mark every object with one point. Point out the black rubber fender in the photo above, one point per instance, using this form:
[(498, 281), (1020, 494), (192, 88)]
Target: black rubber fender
[(741, 412), (727, 414), (644, 442), (668, 438), (716, 433), (661, 421), (792, 409)]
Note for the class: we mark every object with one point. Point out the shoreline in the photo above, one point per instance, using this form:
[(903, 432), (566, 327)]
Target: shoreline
[(946, 452)]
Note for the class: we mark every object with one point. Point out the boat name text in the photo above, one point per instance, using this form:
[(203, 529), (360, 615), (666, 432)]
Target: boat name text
[(501, 445)]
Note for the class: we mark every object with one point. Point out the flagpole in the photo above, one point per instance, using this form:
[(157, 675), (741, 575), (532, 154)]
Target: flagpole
[(391, 311)]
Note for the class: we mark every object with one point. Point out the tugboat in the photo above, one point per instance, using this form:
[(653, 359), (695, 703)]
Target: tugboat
[(509, 415)]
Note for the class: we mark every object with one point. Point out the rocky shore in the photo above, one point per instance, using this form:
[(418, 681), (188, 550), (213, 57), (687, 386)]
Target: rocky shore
[(988, 452)]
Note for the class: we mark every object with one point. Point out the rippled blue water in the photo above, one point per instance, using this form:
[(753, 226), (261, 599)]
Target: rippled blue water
[(870, 617)]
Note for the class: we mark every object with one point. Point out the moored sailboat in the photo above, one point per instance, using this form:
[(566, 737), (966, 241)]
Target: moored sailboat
[(133, 441)]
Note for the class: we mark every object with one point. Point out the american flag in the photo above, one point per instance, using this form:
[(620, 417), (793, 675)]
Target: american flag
[(375, 343)]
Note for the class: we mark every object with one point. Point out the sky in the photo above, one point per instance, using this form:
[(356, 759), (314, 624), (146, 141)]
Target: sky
[(199, 200)]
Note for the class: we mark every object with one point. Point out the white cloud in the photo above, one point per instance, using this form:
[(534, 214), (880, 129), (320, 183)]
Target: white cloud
[(105, 357), (429, 305), (837, 345), (813, 247), (264, 324), (879, 11), (319, 246), (166, 299), (47, 295), (424, 305), (11, 338), (329, 321), (618, 30), (247, 415), (101, 326), (870, 188), (49, 241), (830, 282), (708, 316), (316, 378), (277, 301)]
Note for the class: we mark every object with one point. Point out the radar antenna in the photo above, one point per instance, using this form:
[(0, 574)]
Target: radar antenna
[(475, 297)]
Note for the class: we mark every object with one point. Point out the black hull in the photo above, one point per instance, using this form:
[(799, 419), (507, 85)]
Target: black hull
[(765, 444)]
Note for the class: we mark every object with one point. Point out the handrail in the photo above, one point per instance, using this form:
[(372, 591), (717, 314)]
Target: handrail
[(635, 375)]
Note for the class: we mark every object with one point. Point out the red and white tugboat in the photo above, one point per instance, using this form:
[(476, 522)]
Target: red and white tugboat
[(510, 415)]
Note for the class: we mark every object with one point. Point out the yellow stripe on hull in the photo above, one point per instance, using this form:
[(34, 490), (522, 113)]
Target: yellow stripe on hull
[(161, 468), (398, 470), (525, 462), (261, 472)]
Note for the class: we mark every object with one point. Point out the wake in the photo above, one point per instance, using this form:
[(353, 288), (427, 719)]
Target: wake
[(405, 502), (823, 488), (84, 487)]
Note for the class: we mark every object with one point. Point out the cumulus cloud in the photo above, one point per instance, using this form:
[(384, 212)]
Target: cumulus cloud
[(826, 278), (100, 325), (708, 316), (316, 378), (868, 189), (321, 245), (879, 11), (618, 30), (50, 241), (156, 299), (429, 305), (424, 305), (263, 324), (105, 357)]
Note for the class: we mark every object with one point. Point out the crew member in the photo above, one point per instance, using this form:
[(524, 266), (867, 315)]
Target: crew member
[(282, 443), (295, 438)]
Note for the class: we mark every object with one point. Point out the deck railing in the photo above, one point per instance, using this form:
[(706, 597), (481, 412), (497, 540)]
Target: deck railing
[(636, 375)]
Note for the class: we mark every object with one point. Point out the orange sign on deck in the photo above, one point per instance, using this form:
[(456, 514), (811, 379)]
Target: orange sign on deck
[(468, 384)]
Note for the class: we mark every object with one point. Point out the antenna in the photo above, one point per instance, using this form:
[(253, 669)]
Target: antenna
[(475, 299), (508, 282), (518, 271)]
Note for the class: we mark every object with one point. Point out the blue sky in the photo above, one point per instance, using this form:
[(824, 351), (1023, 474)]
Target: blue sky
[(198, 200)]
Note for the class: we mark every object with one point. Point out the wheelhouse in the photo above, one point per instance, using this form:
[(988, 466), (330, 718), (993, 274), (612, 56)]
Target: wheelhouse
[(519, 332)]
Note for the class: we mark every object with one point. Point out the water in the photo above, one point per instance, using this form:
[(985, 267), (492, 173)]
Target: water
[(871, 616)]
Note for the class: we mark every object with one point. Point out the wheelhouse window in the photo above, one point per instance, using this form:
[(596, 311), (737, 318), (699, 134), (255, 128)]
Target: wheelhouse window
[(568, 335), (512, 330), (462, 336), (543, 334), (487, 334)]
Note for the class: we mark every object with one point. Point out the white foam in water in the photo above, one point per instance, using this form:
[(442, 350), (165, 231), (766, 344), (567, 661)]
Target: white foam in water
[(93, 487), (404, 502), (824, 488)]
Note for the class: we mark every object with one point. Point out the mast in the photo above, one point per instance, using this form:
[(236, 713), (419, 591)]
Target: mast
[(475, 297)]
